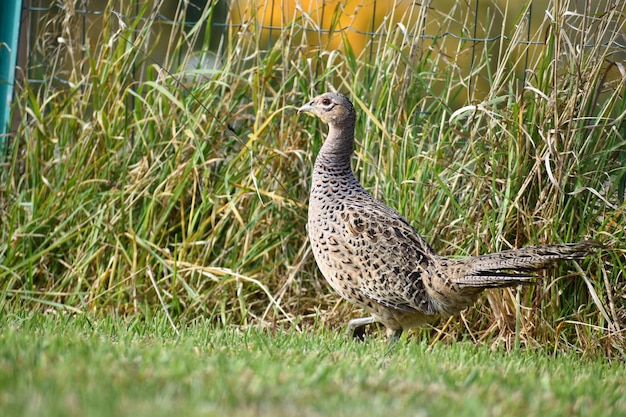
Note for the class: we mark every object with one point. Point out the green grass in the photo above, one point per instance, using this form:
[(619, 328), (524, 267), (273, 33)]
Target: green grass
[(125, 193), (65, 365)]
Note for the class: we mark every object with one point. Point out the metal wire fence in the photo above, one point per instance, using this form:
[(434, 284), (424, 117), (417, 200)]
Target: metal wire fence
[(469, 37), (447, 24)]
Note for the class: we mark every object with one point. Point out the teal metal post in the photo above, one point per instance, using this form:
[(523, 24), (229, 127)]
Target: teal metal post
[(10, 12)]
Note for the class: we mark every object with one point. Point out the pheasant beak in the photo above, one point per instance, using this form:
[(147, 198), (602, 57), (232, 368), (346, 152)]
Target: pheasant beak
[(308, 108)]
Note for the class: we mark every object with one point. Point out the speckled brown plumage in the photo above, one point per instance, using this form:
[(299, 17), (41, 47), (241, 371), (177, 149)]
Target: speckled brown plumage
[(373, 257)]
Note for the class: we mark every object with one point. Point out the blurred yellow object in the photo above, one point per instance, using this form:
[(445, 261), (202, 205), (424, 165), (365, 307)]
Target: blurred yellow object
[(324, 21)]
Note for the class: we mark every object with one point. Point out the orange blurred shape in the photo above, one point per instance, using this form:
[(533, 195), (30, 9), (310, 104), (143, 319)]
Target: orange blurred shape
[(324, 21)]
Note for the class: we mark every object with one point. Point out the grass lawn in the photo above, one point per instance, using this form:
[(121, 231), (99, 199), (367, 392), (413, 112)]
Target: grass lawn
[(62, 365)]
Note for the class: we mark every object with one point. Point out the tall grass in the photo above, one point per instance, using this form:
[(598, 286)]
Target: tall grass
[(130, 189)]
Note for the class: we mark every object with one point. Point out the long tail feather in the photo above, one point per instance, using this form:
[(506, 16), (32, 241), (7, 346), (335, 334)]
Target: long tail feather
[(515, 267)]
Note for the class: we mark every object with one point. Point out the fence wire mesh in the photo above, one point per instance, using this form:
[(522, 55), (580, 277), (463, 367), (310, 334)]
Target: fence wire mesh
[(459, 30)]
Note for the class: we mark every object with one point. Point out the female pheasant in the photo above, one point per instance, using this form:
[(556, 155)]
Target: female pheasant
[(375, 259)]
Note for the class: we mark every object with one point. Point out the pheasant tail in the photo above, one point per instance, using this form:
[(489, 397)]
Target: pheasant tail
[(515, 267)]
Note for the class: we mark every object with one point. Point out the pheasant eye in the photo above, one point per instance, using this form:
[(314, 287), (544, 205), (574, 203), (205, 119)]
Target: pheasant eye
[(326, 102)]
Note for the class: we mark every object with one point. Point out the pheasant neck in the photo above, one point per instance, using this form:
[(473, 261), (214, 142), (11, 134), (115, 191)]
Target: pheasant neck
[(333, 164), (338, 146)]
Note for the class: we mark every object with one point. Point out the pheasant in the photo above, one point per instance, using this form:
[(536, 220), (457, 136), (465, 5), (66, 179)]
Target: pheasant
[(374, 258)]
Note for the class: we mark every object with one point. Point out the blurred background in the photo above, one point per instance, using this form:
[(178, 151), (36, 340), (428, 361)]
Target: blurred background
[(460, 33)]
